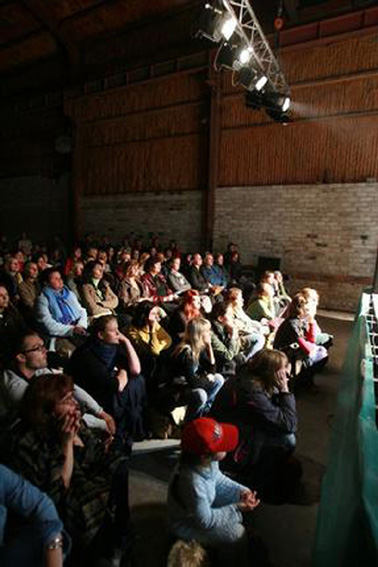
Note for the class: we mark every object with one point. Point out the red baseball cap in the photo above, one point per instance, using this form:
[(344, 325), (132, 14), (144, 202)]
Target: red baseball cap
[(205, 435)]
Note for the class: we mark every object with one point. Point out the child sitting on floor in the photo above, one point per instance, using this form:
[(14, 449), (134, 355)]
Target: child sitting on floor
[(203, 504)]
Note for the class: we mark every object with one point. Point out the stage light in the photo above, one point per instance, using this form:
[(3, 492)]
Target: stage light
[(228, 27), (254, 99), (278, 115), (226, 55), (245, 55), (286, 104), (260, 84), (210, 22)]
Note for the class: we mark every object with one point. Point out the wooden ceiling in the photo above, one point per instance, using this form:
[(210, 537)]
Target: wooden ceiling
[(60, 41)]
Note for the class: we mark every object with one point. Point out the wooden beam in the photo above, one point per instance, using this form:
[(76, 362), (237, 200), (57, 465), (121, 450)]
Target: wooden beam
[(214, 83)]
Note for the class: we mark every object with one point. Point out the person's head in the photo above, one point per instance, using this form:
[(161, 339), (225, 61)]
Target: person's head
[(29, 351), (232, 247), (105, 329), (298, 307), (278, 276), (197, 334), (97, 270), (187, 554), (135, 254), (78, 269), (207, 439), (219, 259), (12, 265), (223, 314), (191, 304), (168, 252), (76, 253), (209, 260), (160, 256), (153, 266), (176, 264), (234, 297), (92, 253), (31, 271), (264, 290), (48, 396), (41, 262), (132, 269), (54, 279), (102, 257), (145, 313), (197, 260), (265, 365), (20, 256), (267, 277), (311, 296), (4, 298), (110, 251)]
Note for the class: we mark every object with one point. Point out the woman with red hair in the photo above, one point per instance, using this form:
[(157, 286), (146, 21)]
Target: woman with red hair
[(189, 309)]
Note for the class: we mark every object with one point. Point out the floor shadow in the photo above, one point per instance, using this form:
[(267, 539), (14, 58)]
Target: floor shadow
[(158, 463)]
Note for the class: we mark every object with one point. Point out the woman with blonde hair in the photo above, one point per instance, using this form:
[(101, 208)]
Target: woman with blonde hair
[(193, 362)]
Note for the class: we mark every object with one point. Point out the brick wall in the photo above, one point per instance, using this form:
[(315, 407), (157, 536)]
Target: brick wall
[(171, 214), (325, 235)]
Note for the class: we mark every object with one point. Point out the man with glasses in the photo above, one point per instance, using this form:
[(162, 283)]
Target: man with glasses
[(30, 359)]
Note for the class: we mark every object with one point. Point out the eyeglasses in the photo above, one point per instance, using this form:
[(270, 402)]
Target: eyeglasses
[(38, 348)]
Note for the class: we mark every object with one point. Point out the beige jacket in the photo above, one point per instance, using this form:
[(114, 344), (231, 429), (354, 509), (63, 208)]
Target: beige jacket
[(97, 303)]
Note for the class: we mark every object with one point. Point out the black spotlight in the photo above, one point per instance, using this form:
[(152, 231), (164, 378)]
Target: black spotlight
[(227, 54), (254, 99), (279, 115), (209, 23), (277, 106)]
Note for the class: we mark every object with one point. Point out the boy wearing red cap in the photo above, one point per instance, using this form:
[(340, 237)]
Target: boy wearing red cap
[(203, 504)]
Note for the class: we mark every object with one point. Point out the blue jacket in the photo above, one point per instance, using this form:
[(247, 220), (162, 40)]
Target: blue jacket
[(18, 495), (202, 505)]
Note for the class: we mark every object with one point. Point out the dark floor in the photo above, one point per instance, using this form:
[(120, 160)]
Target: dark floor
[(287, 530)]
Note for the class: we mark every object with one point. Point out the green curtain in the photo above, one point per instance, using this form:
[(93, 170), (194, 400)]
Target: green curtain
[(347, 525)]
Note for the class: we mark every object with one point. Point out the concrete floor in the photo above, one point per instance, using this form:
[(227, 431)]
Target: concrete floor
[(287, 530)]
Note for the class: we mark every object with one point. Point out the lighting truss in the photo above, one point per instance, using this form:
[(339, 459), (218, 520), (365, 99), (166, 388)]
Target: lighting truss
[(248, 27)]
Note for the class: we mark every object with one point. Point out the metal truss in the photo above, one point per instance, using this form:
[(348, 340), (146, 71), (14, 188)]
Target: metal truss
[(249, 29)]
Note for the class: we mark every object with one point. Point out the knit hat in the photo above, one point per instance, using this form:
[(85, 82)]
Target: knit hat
[(205, 435)]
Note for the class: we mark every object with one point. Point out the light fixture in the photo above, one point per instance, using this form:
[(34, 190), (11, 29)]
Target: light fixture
[(286, 104), (209, 23), (254, 99), (228, 27), (245, 55), (261, 82), (251, 80)]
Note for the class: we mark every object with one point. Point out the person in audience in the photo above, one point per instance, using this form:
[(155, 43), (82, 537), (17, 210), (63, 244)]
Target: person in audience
[(29, 289), (75, 257), (211, 273), (235, 268), (91, 255), (195, 276), (280, 291), (203, 504), (57, 310), (194, 362), (299, 331), (102, 257), (74, 280), (130, 290), (155, 286), (20, 256), (108, 367), (27, 360), (259, 403), (85, 476), (231, 249), (220, 269), (189, 309), (37, 538), (146, 333), (11, 322), (144, 257), (186, 264), (312, 300), (176, 280), (10, 277), (97, 295), (249, 330), (42, 262), (225, 339), (261, 307)]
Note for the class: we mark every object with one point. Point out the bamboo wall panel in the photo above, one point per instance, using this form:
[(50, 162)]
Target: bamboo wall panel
[(338, 149), (138, 98), (155, 165)]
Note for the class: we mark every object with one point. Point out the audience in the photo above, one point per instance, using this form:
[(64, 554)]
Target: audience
[(165, 315)]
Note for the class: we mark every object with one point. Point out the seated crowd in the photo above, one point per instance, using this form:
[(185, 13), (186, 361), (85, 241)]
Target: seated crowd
[(98, 346)]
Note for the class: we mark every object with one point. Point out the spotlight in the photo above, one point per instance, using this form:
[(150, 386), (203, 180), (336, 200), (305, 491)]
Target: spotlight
[(228, 27), (279, 115), (250, 79), (286, 104), (244, 55), (226, 55), (210, 22), (254, 99)]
